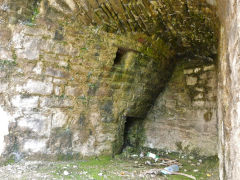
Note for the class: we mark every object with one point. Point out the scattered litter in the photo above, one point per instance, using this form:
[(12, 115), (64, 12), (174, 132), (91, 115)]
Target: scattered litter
[(83, 173), (141, 155), (122, 173), (74, 166), (209, 175), (159, 171), (66, 173), (134, 156), (170, 169), (195, 170), (200, 160), (148, 163), (100, 174), (151, 155)]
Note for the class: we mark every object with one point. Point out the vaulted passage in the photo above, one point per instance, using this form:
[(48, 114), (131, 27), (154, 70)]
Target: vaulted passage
[(91, 78)]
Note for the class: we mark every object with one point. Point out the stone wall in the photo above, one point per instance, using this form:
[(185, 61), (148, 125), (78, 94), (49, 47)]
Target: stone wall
[(184, 115), (68, 91), (229, 90)]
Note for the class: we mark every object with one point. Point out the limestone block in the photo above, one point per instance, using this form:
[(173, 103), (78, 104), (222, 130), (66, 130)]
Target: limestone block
[(3, 87), (57, 73), (38, 68), (35, 122), (56, 102), (59, 118), (191, 81), (209, 68), (35, 145), (211, 83), (17, 40), (5, 36), (198, 103), (30, 49), (58, 91), (59, 81), (200, 89), (25, 101), (73, 91), (63, 63), (203, 76), (199, 96), (5, 54), (38, 87), (4, 123)]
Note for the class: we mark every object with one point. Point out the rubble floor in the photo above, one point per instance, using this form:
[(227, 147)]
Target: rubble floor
[(125, 166)]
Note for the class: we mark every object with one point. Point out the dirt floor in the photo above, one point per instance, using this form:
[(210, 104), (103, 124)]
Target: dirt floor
[(125, 166)]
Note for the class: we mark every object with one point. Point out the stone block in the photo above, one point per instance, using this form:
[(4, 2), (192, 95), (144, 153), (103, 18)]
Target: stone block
[(63, 63), (35, 146), (58, 91), (60, 102), (5, 54), (36, 122), (30, 49), (25, 101), (191, 80), (57, 73), (198, 103), (199, 89), (199, 96), (209, 68), (73, 91), (59, 81), (59, 118), (38, 87), (188, 71), (5, 121), (3, 87), (203, 76), (38, 68)]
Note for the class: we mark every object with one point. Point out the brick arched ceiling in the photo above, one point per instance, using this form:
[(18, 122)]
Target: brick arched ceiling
[(190, 26)]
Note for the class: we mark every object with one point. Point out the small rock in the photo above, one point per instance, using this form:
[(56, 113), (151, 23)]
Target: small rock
[(134, 156), (195, 170), (185, 170), (66, 173), (74, 166), (198, 164), (191, 157), (200, 160)]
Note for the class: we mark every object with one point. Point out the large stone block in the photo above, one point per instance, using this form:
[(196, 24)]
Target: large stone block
[(38, 87), (56, 102), (25, 101)]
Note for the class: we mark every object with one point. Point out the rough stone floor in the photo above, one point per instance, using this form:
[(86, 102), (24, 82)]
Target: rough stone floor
[(125, 166)]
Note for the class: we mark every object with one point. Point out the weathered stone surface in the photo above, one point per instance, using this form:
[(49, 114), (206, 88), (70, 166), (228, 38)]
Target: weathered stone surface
[(38, 87), (72, 87), (228, 86), (191, 81), (180, 120), (25, 101)]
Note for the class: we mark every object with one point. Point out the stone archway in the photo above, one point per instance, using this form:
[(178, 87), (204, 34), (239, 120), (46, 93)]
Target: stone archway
[(49, 92)]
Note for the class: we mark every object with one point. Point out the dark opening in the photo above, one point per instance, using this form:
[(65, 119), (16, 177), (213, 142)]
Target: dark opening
[(120, 53), (133, 132)]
